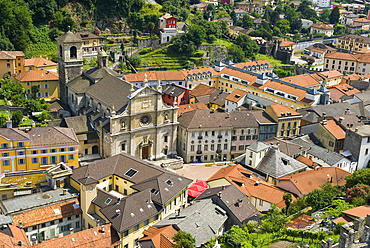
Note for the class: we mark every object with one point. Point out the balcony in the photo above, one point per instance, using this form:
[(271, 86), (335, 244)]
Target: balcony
[(218, 151), (200, 137), (199, 152)]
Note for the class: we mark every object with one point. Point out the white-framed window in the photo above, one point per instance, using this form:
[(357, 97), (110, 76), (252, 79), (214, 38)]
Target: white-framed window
[(46, 86), (62, 158), (6, 162), (46, 94), (28, 91), (39, 86), (39, 94)]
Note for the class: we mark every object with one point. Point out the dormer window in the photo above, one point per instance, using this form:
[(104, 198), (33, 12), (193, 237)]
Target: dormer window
[(169, 182)]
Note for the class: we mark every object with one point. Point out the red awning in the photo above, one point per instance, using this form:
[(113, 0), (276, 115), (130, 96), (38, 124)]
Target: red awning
[(197, 188)]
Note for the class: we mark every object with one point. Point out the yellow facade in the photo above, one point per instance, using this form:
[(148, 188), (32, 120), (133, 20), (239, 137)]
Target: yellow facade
[(228, 86), (45, 68), (12, 66), (261, 2), (283, 127), (47, 89), (19, 156), (353, 44), (122, 186)]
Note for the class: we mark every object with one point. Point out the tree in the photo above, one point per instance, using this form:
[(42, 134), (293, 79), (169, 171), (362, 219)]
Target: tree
[(213, 28), (359, 176), (290, 13), (247, 22), (211, 10), (334, 16), (339, 29), (135, 61), (17, 117), (6, 45), (183, 240), (34, 91), (340, 206), (43, 10), (249, 46), (287, 197), (192, 2), (319, 199), (183, 14), (221, 14), (284, 26), (233, 16), (33, 105), (2, 121), (196, 34), (276, 218), (296, 24), (324, 16), (150, 27), (44, 116), (236, 53), (358, 191), (274, 17)]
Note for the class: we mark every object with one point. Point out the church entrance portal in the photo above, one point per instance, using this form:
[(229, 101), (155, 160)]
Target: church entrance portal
[(145, 152)]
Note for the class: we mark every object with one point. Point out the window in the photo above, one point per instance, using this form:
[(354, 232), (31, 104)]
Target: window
[(123, 146), (212, 147), (241, 147), (46, 86), (233, 148), (43, 225), (53, 150), (117, 188), (131, 172), (125, 234), (4, 145), (242, 137), (35, 152), (44, 151), (6, 162), (46, 94), (213, 133), (71, 157), (193, 134), (71, 149), (367, 151), (39, 94), (368, 139), (156, 217), (136, 227), (35, 160), (199, 147), (44, 160), (165, 138), (146, 222), (34, 227), (331, 143), (225, 146), (20, 144), (21, 161), (62, 158), (5, 154), (205, 147), (261, 202), (192, 148), (28, 91), (77, 224), (53, 159)]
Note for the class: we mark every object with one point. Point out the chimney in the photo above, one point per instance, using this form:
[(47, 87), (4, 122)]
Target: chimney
[(103, 229), (356, 129), (178, 212), (98, 222), (20, 224), (347, 111), (341, 119), (239, 203), (64, 192), (323, 115), (71, 230), (223, 187), (118, 212), (324, 122), (219, 194)]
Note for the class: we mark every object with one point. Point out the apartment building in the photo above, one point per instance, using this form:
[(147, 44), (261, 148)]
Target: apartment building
[(11, 62), (129, 193), (37, 148), (357, 145), (40, 63), (349, 63), (288, 120), (322, 28), (91, 44), (47, 83), (355, 43)]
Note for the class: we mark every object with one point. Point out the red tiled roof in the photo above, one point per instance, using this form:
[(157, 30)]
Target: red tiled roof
[(307, 161), (37, 75), (46, 214), (202, 90), (38, 62), (301, 222), (344, 219), (11, 54), (88, 238), (362, 20), (354, 76), (161, 237), (330, 74), (190, 107), (337, 91), (286, 43), (337, 131), (307, 181), (305, 80), (236, 95), (361, 211), (18, 234), (321, 26), (278, 108)]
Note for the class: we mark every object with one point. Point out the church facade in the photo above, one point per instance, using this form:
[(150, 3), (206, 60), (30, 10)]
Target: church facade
[(128, 119)]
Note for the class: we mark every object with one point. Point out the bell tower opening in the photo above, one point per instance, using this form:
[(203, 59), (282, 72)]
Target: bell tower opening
[(73, 52)]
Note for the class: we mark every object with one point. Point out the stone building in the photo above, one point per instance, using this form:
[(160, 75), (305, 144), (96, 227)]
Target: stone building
[(127, 118)]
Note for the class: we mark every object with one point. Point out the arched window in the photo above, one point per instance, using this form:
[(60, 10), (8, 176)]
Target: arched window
[(73, 52), (60, 51)]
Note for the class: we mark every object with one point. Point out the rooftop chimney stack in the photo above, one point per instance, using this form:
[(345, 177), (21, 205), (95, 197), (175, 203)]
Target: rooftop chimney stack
[(341, 119), (356, 129), (323, 115), (20, 224), (103, 229), (71, 230)]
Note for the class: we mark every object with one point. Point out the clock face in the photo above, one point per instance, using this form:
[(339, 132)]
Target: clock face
[(145, 120)]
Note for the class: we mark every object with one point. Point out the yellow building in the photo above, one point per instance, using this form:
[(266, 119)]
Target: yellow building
[(37, 148), (11, 62), (287, 119), (261, 2), (129, 193), (331, 77), (40, 64), (46, 81), (355, 43), (90, 45)]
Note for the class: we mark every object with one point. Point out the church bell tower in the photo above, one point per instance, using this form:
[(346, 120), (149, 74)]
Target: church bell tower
[(70, 62)]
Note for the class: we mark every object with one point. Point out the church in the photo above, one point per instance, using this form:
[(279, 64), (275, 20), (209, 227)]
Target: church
[(127, 118)]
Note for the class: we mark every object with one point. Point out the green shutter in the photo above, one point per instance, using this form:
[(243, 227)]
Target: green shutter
[(52, 233)]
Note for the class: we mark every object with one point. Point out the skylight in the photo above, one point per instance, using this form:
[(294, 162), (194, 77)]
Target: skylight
[(154, 191), (108, 201), (131, 172), (57, 211), (169, 182)]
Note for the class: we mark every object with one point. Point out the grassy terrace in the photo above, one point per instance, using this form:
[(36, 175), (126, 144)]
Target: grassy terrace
[(271, 60)]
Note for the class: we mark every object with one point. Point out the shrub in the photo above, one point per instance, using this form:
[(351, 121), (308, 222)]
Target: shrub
[(145, 50), (338, 227)]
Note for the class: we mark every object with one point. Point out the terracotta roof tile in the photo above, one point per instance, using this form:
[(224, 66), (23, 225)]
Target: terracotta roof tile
[(321, 26), (305, 80), (46, 214), (301, 222), (88, 238), (37, 75), (307, 161), (354, 76), (362, 20), (202, 90), (343, 219), (358, 212), (161, 237), (286, 43), (307, 181), (342, 56), (236, 95), (337, 91), (278, 108), (245, 181), (16, 235), (190, 107), (337, 131), (330, 74), (38, 62)]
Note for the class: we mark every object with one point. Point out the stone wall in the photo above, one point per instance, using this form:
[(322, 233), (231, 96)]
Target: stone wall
[(11, 109), (305, 69), (216, 53), (148, 42)]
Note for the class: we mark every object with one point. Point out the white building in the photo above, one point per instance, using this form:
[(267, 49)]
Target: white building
[(322, 29), (306, 23), (357, 145)]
